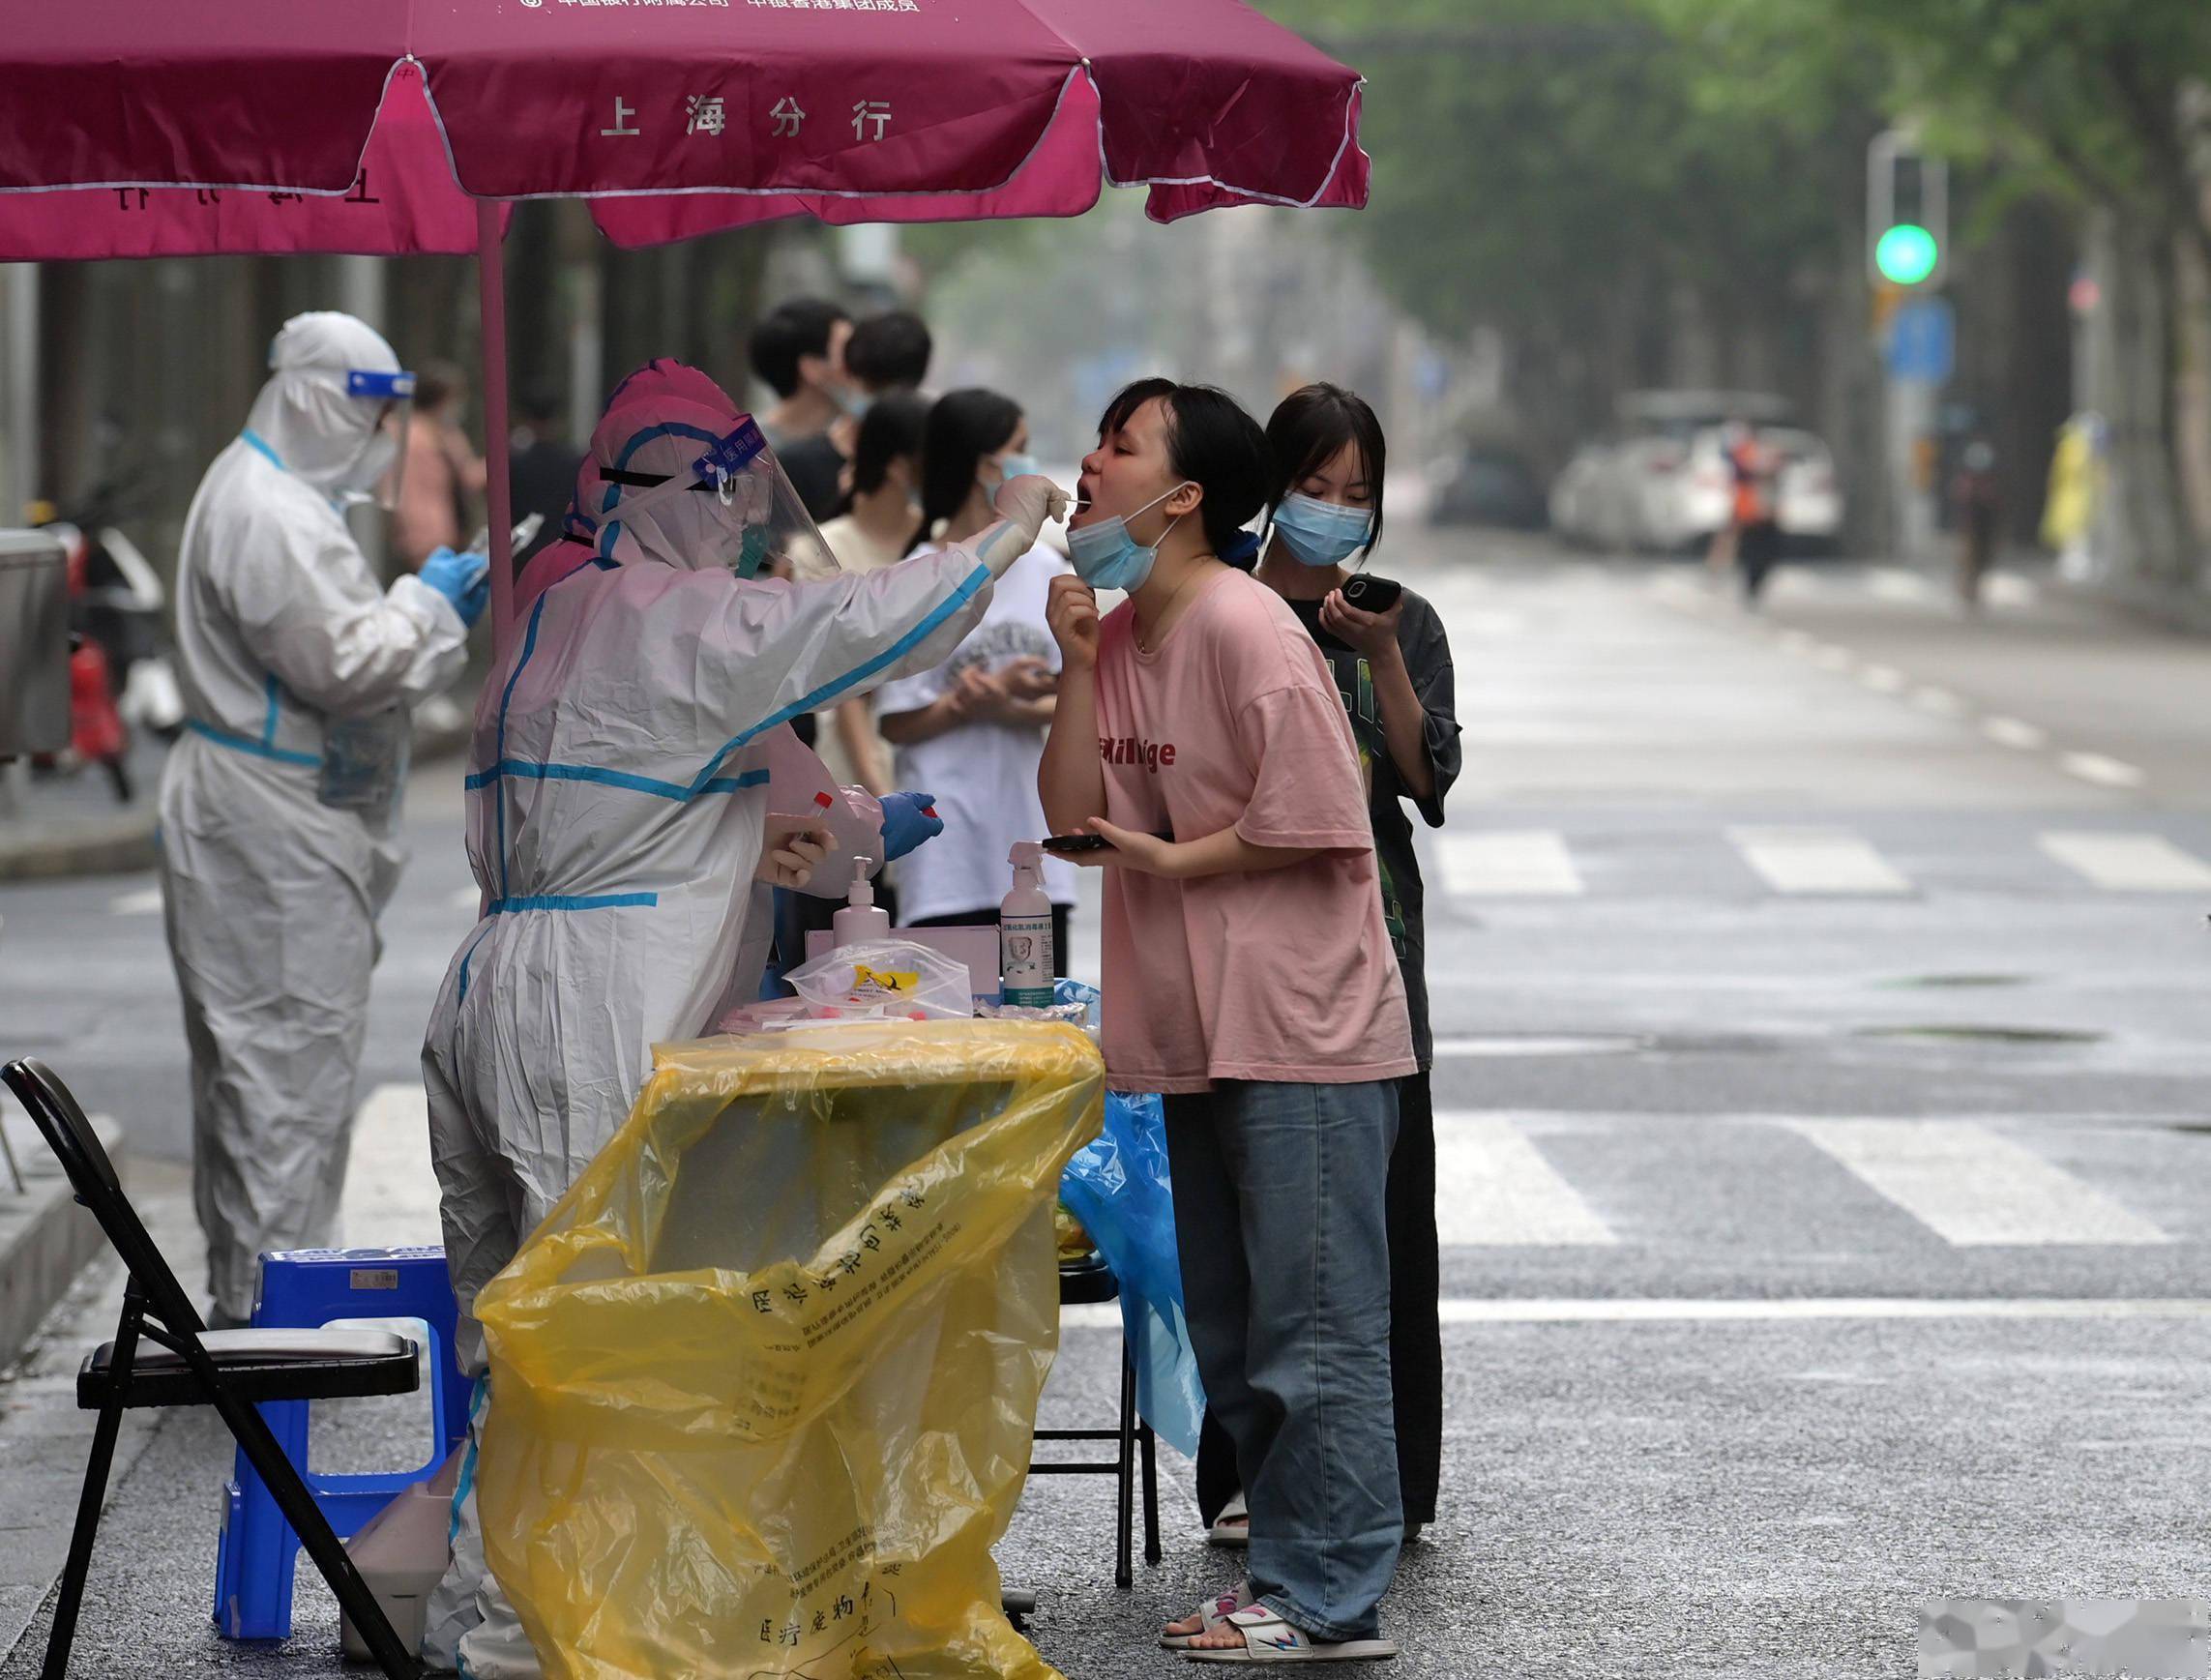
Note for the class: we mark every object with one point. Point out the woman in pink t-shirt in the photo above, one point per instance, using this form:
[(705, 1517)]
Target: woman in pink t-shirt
[(1248, 978)]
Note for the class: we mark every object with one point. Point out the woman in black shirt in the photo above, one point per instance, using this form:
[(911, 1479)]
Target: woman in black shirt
[(1394, 671)]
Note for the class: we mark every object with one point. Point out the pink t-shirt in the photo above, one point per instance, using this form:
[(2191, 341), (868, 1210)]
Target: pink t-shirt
[(1283, 975)]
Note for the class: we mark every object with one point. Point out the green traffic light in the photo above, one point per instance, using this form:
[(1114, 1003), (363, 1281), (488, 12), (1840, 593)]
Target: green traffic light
[(1905, 253)]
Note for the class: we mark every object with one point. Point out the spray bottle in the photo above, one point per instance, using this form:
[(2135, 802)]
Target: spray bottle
[(1024, 932), (862, 919)]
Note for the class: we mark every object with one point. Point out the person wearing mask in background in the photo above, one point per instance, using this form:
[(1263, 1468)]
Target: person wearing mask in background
[(797, 352), (541, 468), (972, 729), (619, 798), (874, 531), (280, 804), (443, 474), (1392, 670), (1248, 978), (886, 353)]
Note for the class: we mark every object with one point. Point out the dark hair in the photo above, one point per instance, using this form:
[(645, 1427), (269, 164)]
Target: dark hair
[(1211, 442), (891, 426), (436, 384), (798, 328), (539, 405), (889, 351), (1307, 430), (963, 426)]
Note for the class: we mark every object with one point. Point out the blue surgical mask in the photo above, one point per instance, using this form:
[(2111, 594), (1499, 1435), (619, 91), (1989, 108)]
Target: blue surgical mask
[(1014, 466), (853, 401), (1320, 533), (1106, 557)]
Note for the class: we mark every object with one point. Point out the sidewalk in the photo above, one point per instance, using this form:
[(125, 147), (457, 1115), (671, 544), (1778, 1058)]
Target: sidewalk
[(65, 826)]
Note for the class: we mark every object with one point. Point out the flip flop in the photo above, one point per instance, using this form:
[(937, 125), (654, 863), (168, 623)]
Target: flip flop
[(1214, 1614), (1268, 1638), (1232, 1528)]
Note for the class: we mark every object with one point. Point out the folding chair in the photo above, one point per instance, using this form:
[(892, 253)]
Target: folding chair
[(1088, 1283), (233, 1371)]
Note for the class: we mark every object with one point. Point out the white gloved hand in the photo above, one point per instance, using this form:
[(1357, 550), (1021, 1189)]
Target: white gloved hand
[(1031, 501)]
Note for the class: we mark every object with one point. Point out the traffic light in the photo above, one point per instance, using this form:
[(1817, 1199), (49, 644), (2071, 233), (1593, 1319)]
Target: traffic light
[(1907, 212)]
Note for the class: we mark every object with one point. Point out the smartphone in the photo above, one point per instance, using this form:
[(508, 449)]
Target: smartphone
[(1062, 844), (1370, 594)]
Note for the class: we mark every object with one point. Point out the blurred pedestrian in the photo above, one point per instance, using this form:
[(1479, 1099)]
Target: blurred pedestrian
[(797, 352), (872, 532), (443, 475), (1756, 470), (886, 353), (1976, 497), (972, 729), (281, 838), (1392, 670), (542, 466)]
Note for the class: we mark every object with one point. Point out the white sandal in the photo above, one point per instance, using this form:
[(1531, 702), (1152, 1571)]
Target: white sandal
[(1268, 1638), (1212, 1615), (1232, 1528)]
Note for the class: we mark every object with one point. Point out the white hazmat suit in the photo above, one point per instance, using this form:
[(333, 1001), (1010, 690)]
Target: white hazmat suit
[(278, 806), (619, 793)]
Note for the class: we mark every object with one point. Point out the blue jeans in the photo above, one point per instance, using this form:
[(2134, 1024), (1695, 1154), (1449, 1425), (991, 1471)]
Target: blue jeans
[(1280, 1214)]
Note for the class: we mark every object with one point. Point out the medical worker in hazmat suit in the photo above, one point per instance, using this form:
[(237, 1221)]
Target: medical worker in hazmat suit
[(279, 806), (629, 752)]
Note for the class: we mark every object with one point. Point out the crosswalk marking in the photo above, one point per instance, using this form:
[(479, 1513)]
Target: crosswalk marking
[(1816, 861), (1883, 679), (1493, 1188), (2129, 863), (144, 901), (2104, 772), (391, 1193), (1939, 702), (1973, 1187), (2011, 732), (1532, 863), (1662, 1309)]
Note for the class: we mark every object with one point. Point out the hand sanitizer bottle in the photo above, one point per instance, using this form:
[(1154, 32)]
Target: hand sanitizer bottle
[(862, 919), (1024, 932)]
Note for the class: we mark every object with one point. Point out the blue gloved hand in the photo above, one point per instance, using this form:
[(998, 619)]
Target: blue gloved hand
[(908, 820), (464, 579)]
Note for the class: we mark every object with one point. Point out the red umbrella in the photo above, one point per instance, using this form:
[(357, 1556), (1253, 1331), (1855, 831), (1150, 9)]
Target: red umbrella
[(383, 127)]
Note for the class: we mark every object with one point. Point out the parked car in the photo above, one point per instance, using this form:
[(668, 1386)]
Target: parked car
[(1487, 485), (1695, 500), (1659, 482)]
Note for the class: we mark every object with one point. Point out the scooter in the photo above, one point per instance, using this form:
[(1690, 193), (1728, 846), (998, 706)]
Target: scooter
[(120, 674)]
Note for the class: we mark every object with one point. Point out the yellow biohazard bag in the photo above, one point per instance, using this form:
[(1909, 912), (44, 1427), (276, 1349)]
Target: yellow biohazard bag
[(767, 1377)]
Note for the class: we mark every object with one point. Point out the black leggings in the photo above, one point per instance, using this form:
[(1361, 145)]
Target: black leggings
[(1416, 1334)]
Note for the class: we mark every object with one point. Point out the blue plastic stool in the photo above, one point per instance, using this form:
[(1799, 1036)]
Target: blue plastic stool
[(302, 1290)]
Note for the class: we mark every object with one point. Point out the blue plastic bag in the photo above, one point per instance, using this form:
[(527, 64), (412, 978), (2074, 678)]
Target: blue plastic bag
[(1119, 1187)]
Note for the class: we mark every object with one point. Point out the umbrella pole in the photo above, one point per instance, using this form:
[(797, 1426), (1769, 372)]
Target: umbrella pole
[(491, 305)]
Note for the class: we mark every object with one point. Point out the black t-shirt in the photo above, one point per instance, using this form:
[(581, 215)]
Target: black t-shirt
[(1428, 661), (814, 465)]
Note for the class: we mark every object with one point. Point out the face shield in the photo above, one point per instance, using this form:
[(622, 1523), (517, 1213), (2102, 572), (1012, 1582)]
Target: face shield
[(731, 506), (376, 473)]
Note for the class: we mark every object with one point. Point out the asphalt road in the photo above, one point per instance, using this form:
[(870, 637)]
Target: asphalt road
[(1820, 998)]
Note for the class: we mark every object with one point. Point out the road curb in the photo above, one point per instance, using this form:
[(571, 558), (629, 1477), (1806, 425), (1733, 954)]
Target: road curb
[(116, 846), (129, 842), (45, 1238)]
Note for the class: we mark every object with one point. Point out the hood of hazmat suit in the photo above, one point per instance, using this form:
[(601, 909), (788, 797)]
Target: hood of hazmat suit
[(278, 806)]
